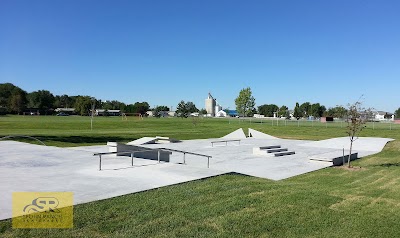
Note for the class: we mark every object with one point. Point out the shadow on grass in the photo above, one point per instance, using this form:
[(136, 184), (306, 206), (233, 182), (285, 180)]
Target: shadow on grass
[(75, 139), (388, 165), (83, 139)]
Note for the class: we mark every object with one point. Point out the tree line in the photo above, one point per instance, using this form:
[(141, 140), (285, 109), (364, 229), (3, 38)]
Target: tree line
[(14, 100), (245, 106)]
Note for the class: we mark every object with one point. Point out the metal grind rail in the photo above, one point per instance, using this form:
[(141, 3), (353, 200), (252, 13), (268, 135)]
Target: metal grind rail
[(224, 141), (132, 153), (189, 153)]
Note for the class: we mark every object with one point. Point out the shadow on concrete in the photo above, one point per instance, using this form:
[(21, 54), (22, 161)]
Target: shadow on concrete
[(131, 167)]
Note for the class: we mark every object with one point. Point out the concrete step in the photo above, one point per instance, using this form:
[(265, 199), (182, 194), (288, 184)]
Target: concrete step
[(270, 147), (284, 153), (277, 150)]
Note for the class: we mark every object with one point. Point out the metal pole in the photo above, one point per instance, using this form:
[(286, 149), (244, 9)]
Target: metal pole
[(100, 162), (184, 158), (208, 162), (158, 156), (132, 158)]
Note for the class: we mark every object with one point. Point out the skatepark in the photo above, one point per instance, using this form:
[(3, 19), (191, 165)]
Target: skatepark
[(100, 172)]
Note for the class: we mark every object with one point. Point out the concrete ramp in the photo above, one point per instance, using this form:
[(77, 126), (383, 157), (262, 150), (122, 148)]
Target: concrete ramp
[(259, 135), (238, 134), (374, 144), (143, 141)]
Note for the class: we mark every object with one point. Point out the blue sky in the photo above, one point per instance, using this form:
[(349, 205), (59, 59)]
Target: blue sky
[(166, 51)]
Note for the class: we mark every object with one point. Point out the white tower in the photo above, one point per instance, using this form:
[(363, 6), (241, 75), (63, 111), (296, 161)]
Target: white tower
[(210, 105)]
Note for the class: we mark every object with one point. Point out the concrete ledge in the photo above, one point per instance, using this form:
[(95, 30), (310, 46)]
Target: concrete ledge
[(146, 154), (336, 158)]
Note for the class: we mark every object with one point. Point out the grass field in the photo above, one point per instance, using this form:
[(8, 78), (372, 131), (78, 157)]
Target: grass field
[(75, 130), (332, 202)]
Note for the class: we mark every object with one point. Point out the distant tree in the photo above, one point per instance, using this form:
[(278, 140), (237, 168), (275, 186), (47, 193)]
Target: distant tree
[(140, 107), (287, 115), (157, 111), (181, 110), (357, 118), (185, 109), (268, 109), (316, 110), (12, 98), (338, 112), (83, 105), (112, 105), (203, 111), (42, 99), (17, 101), (191, 107), (297, 113), (283, 111), (245, 102), (305, 109), (397, 113)]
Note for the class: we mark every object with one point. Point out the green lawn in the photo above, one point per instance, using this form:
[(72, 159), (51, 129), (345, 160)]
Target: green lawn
[(75, 130), (332, 202)]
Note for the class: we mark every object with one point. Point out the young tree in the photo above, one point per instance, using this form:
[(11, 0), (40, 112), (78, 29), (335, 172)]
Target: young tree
[(297, 113), (357, 117), (245, 102)]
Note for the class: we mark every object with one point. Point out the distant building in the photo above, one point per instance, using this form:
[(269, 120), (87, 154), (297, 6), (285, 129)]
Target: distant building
[(380, 116), (326, 119), (218, 108), (233, 113), (221, 113), (210, 105), (70, 111), (104, 112)]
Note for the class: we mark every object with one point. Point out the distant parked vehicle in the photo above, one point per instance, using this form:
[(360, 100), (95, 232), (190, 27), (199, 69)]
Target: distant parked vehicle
[(62, 114)]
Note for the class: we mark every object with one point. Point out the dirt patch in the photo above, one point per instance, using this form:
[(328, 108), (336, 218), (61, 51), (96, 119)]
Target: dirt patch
[(352, 168)]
